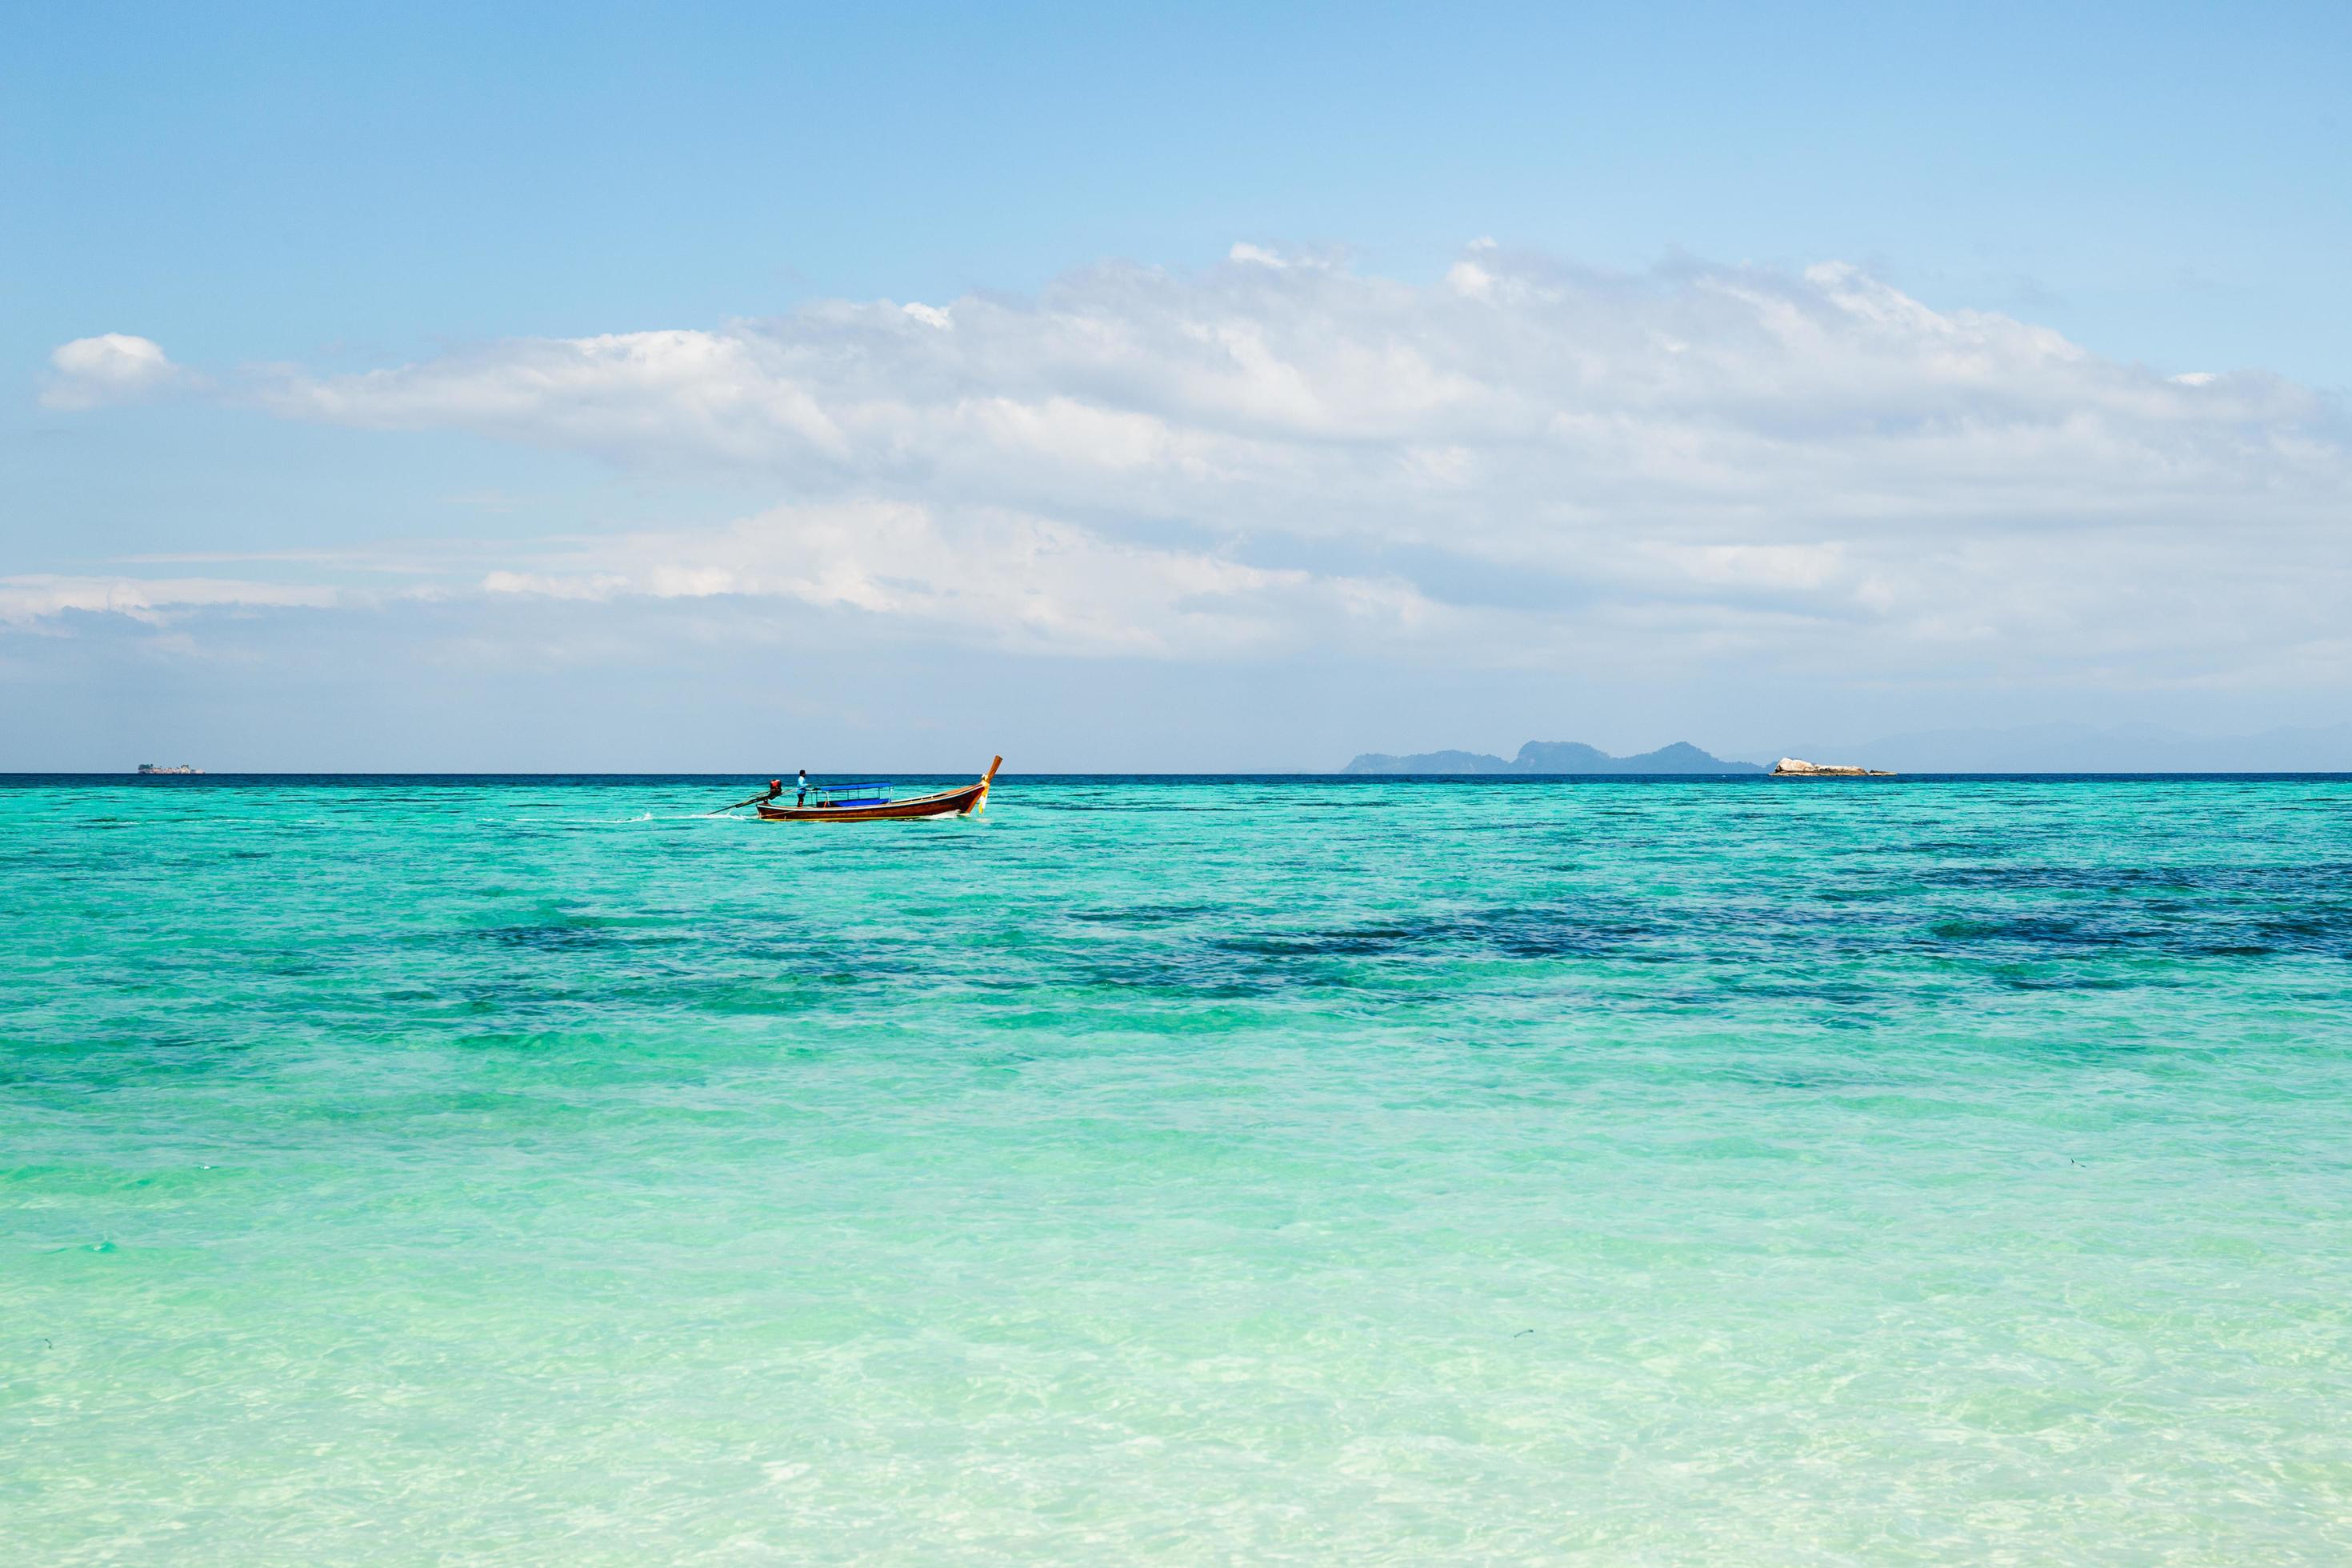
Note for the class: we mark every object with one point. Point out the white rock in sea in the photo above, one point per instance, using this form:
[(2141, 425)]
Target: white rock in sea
[(1796, 768)]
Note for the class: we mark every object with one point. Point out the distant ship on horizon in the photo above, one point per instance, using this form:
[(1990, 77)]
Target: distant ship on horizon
[(159, 768)]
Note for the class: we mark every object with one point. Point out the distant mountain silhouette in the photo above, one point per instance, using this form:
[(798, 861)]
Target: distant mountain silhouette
[(1553, 757)]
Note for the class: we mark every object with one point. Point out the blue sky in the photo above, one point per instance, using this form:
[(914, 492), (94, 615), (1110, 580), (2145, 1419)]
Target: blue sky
[(281, 196), (2160, 181)]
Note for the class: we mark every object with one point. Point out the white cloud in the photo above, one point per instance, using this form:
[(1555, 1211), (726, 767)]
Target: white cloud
[(1709, 401), (23, 600), (710, 394), (114, 367), (1523, 461), (1471, 281), (1003, 579)]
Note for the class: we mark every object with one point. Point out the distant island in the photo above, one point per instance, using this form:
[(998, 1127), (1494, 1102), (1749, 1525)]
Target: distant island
[(159, 768), (1554, 757)]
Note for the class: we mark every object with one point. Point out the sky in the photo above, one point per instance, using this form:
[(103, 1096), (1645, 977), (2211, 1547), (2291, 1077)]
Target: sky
[(743, 387)]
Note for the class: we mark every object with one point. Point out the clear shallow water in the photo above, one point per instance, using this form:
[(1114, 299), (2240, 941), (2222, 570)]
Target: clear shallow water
[(1323, 1170)]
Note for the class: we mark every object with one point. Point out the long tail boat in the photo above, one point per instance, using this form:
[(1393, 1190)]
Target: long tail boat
[(871, 802)]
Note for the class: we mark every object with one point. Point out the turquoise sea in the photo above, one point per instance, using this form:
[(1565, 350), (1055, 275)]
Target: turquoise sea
[(526, 1170)]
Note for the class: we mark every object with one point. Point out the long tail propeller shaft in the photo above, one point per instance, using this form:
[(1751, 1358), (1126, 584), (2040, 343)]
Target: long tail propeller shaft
[(771, 792)]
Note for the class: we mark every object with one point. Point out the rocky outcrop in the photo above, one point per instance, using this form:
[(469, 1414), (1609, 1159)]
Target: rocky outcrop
[(1796, 768)]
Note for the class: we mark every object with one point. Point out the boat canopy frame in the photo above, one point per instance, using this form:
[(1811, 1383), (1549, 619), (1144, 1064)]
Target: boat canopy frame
[(878, 792)]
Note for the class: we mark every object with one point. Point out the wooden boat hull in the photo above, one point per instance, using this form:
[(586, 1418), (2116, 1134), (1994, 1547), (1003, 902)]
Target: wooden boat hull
[(950, 803), (959, 802)]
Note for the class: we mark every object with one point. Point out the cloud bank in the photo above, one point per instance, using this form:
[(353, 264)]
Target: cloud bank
[(1523, 462), (1022, 583)]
